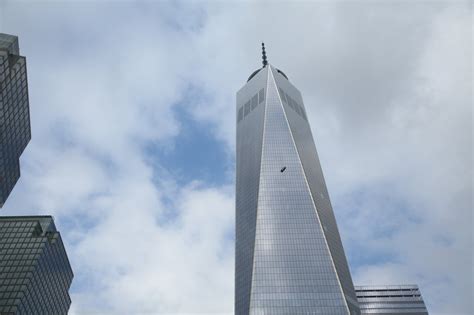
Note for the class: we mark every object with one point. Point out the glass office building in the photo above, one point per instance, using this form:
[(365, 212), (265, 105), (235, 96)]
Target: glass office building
[(35, 274), (289, 255), (391, 300), (15, 130)]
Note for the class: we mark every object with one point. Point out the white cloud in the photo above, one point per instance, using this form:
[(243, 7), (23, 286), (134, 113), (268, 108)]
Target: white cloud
[(388, 89), (145, 267)]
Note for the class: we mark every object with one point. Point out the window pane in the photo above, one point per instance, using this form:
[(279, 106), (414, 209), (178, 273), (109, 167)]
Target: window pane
[(254, 101), (247, 108), (261, 96), (241, 114)]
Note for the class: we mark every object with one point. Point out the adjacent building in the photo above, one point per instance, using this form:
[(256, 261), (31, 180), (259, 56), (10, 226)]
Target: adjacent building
[(35, 274), (15, 130), (391, 300), (289, 254)]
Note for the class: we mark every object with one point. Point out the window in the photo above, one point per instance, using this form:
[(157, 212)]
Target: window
[(254, 101), (296, 108), (290, 101), (247, 108), (261, 96), (282, 95)]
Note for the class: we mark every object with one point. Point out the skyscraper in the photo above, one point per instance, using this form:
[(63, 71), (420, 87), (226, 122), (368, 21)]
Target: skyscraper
[(391, 299), (14, 113), (289, 255), (35, 274)]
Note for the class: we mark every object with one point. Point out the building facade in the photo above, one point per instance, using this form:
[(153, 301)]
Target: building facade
[(15, 130), (289, 254), (35, 274), (391, 300)]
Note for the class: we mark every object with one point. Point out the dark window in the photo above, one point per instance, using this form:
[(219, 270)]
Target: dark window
[(261, 96), (290, 100), (254, 101), (247, 108), (241, 114), (296, 107)]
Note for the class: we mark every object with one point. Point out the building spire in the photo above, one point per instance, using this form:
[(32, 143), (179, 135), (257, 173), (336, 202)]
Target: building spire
[(264, 56)]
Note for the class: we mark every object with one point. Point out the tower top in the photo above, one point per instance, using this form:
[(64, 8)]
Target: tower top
[(9, 43), (264, 56), (265, 63)]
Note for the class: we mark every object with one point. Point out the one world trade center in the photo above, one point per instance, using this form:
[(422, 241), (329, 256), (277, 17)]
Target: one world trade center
[(289, 254)]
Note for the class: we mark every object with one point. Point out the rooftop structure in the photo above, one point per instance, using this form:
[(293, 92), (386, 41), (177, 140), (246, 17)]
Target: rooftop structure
[(35, 274), (391, 300)]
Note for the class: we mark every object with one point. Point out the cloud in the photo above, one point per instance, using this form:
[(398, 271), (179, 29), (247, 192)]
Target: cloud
[(161, 268), (388, 89)]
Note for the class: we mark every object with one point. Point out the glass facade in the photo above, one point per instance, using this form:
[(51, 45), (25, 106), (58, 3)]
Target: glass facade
[(35, 274), (15, 130), (391, 300), (289, 255)]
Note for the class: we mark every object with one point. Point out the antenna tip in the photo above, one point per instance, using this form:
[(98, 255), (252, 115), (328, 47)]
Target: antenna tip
[(264, 56)]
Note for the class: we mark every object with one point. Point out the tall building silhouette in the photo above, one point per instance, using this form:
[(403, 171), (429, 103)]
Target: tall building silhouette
[(289, 255), (35, 274), (15, 130)]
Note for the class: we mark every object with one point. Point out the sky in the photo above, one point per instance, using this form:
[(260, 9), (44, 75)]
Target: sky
[(133, 140)]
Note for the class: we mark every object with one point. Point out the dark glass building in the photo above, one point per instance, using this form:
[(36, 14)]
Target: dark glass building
[(391, 300), (35, 274), (289, 255), (15, 130)]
